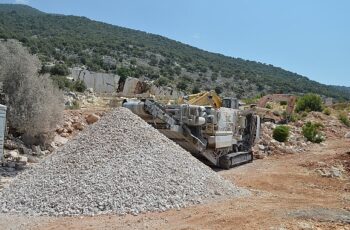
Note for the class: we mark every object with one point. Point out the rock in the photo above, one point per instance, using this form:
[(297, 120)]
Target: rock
[(12, 154), (32, 159), (92, 118), (347, 135), (36, 149), (11, 164), (70, 129), (78, 125), (261, 147), (23, 159), (305, 226), (45, 152), (323, 172), (60, 130), (260, 155), (299, 124), (335, 172), (65, 135), (67, 124), (72, 94), (59, 140), (91, 99), (11, 145), (26, 151)]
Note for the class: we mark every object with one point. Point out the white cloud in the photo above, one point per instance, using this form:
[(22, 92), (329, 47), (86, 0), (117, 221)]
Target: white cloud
[(21, 1)]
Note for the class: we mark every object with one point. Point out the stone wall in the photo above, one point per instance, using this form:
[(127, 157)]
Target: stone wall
[(100, 82), (109, 83)]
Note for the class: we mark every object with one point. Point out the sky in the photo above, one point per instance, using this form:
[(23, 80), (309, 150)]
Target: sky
[(309, 37)]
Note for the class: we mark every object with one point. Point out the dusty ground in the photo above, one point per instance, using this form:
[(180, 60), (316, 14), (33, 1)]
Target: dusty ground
[(288, 193)]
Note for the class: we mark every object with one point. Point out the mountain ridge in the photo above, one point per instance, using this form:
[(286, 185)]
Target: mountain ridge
[(104, 47)]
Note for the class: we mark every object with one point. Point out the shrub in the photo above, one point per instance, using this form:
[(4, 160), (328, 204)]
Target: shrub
[(327, 111), (218, 89), (195, 89), (162, 81), (268, 106), (294, 117), (62, 82), (312, 133), (281, 133), (59, 69), (181, 85), (283, 103), (35, 105), (75, 105), (309, 102), (304, 114), (79, 86), (65, 84), (343, 117)]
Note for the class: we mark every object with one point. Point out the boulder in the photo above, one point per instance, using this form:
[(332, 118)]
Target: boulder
[(12, 154), (261, 147), (23, 159), (10, 145), (347, 135), (32, 159), (60, 130), (78, 126), (36, 149), (65, 135), (92, 118), (70, 129), (59, 140)]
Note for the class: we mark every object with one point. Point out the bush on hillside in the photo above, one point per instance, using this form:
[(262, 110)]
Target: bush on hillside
[(59, 69), (343, 117), (162, 81), (182, 85), (65, 84), (281, 133), (309, 102), (312, 132), (218, 89), (196, 89), (79, 86), (327, 111)]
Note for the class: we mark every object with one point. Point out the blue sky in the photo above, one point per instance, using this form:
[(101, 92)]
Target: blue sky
[(310, 37)]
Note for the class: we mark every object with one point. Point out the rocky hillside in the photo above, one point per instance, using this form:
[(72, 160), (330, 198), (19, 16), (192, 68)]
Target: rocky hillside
[(79, 41)]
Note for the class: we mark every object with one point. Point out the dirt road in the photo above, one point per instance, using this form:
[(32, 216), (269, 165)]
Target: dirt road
[(287, 193)]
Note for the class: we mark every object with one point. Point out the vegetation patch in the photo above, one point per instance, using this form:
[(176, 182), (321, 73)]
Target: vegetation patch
[(343, 117), (312, 132), (281, 133), (309, 102)]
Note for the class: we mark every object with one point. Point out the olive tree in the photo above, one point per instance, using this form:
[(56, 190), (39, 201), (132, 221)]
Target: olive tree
[(35, 104)]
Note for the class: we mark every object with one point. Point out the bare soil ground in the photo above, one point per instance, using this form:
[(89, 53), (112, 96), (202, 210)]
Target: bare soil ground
[(287, 193)]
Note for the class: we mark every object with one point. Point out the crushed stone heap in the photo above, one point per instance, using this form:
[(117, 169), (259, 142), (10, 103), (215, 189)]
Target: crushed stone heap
[(118, 165)]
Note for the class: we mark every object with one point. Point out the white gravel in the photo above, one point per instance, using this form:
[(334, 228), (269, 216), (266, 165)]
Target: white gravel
[(118, 165)]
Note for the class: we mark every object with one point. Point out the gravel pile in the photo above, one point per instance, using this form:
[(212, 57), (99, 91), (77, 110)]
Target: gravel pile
[(118, 165)]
